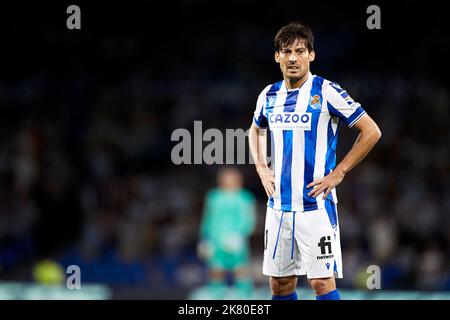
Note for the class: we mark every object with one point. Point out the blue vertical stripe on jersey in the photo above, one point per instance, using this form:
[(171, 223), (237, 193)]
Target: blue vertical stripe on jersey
[(330, 158), (286, 167), (286, 172), (291, 101), (310, 203)]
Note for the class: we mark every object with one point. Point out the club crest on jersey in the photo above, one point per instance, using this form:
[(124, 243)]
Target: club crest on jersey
[(290, 121), (315, 102)]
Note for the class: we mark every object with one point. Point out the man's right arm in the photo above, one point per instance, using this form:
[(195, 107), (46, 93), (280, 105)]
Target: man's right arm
[(258, 148)]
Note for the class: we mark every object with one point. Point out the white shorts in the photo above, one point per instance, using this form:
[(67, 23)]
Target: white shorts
[(315, 250)]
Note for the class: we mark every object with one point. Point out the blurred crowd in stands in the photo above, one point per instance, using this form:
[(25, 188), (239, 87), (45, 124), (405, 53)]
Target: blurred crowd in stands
[(86, 176)]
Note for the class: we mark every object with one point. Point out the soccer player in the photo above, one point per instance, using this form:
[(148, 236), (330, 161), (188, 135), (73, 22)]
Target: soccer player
[(303, 112), (227, 224)]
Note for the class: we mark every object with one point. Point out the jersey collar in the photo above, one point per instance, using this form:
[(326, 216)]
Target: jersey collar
[(310, 76)]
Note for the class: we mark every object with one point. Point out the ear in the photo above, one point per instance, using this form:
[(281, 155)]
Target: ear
[(312, 56), (277, 57)]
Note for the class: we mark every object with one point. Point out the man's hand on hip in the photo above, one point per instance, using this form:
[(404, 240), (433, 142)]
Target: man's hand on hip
[(325, 184)]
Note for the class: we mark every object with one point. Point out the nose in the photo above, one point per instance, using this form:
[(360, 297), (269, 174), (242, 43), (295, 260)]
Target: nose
[(293, 57)]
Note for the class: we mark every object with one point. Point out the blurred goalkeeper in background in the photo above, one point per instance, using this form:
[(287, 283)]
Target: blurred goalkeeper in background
[(227, 224)]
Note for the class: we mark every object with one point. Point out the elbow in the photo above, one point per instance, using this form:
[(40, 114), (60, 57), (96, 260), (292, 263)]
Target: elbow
[(377, 134), (253, 131), (372, 134)]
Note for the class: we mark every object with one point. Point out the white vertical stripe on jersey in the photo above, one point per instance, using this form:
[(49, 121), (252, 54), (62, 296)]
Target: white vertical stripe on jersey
[(298, 159), (278, 142), (321, 147)]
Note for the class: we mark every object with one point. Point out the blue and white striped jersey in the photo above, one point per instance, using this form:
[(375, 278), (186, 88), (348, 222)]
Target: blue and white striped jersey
[(303, 123)]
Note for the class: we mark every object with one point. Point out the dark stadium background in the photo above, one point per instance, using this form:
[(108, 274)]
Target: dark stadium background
[(86, 118)]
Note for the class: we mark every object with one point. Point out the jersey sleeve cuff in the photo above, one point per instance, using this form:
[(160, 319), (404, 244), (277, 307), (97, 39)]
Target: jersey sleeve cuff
[(260, 123), (359, 112)]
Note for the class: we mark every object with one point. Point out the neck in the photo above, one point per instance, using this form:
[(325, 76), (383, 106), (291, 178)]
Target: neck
[(296, 83)]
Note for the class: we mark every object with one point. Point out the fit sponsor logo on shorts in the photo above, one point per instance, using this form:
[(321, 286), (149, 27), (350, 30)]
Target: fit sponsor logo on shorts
[(325, 248)]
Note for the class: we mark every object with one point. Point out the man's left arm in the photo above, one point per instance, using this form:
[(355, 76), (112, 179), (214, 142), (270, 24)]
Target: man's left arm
[(369, 134)]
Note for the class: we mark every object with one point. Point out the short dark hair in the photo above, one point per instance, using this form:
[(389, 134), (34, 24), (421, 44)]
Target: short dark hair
[(294, 30)]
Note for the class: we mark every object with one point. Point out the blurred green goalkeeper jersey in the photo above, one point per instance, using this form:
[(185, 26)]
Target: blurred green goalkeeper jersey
[(228, 222)]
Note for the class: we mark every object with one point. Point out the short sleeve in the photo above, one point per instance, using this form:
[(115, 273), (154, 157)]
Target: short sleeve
[(259, 118), (341, 105)]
